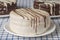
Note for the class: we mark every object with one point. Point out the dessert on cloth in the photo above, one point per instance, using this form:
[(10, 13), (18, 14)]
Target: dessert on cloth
[(6, 6), (52, 8), (29, 21)]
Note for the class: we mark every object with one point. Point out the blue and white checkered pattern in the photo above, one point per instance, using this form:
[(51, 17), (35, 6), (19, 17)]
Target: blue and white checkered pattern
[(25, 3), (6, 36)]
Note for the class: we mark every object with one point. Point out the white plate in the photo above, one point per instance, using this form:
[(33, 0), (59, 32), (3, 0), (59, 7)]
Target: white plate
[(4, 15), (55, 16), (50, 30)]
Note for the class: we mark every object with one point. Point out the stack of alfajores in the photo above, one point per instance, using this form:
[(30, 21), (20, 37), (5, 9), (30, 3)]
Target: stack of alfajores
[(6, 7), (52, 8)]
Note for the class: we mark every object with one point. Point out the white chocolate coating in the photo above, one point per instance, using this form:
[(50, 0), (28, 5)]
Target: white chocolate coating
[(29, 21)]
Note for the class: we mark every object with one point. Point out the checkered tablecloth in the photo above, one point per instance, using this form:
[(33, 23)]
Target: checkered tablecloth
[(6, 36)]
